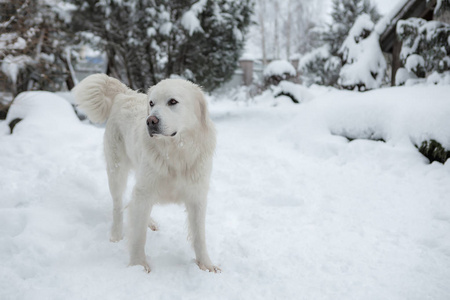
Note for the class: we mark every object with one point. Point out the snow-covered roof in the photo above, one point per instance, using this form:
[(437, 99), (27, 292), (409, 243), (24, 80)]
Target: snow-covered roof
[(390, 19), (403, 10)]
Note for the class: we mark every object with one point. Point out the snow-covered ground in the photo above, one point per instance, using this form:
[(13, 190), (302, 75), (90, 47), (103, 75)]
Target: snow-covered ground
[(296, 211)]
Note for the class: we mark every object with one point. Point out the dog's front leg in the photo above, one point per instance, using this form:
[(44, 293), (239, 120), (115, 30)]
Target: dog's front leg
[(196, 216), (139, 210)]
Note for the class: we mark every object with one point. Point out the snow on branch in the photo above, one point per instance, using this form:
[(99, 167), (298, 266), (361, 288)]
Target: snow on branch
[(364, 63), (11, 66), (13, 17), (189, 19)]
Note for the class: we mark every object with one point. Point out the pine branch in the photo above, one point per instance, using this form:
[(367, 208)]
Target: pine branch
[(18, 11)]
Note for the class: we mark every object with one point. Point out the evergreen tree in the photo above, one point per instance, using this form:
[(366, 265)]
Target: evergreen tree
[(425, 46), (364, 64), (319, 67), (198, 40), (344, 14), (33, 45)]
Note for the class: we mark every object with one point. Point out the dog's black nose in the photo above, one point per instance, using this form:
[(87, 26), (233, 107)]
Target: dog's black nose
[(152, 120)]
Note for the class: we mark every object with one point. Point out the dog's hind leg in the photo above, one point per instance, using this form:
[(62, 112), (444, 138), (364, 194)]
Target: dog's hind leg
[(118, 169)]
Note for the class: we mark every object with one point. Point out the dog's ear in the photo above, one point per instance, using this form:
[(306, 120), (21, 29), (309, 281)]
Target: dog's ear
[(149, 91)]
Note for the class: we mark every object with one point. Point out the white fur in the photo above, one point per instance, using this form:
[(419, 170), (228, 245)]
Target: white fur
[(168, 168)]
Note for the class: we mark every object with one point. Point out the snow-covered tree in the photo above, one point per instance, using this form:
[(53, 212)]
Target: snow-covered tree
[(344, 14), (32, 45), (364, 64), (425, 47), (325, 70), (199, 40), (320, 67)]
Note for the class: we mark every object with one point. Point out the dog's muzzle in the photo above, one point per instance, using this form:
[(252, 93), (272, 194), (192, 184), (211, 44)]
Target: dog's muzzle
[(153, 125)]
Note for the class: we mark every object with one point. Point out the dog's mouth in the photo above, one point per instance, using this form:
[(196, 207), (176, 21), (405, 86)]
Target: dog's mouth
[(158, 134)]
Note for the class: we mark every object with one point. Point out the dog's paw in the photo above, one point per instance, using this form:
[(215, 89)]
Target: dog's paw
[(209, 267), (115, 237), (153, 225), (144, 264)]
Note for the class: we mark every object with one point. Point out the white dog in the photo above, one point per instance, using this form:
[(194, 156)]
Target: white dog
[(168, 138)]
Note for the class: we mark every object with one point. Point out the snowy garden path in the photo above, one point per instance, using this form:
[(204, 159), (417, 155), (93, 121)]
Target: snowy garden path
[(358, 220)]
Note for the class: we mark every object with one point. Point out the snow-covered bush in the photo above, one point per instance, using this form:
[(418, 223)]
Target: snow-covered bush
[(296, 92), (438, 78), (277, 71), (416, 64), (425, 46), (364, 64), (412, 72), (434, 151), (41, 111), (402, 76)]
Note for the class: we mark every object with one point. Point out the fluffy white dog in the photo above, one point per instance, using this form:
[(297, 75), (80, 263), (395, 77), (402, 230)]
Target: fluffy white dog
[(168, 138)]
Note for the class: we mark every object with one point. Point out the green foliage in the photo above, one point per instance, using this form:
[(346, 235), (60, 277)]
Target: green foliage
[(364, 65), (37, 38), (325, 69), (430, 40), (344, 14), (320, 67), (155, 42), (434, 151)]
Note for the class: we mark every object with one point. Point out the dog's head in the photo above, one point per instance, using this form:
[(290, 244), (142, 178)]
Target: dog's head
[(175, 106)]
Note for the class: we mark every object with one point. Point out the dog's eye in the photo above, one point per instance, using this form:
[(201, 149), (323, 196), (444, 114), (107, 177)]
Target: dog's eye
[(152, 104), (172, 102)]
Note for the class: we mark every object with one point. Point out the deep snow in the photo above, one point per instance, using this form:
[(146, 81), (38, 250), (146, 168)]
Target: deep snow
[(295, 212)]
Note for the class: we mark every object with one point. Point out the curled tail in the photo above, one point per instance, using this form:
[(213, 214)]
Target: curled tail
[(95, 95)]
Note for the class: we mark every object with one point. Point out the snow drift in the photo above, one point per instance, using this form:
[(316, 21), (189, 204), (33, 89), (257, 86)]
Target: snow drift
[(295, 211)]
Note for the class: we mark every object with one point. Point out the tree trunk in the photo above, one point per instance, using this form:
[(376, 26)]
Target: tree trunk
[(71, 80), (276, 40), (288, 32), (262, 12), (111, 68)]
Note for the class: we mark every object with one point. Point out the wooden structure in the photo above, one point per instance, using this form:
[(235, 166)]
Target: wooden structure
[(389, 41)]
